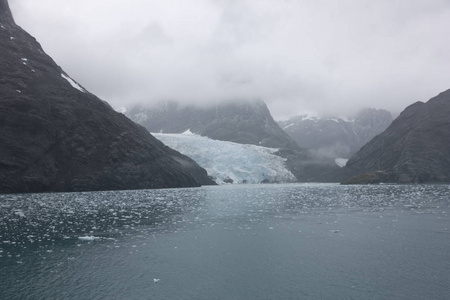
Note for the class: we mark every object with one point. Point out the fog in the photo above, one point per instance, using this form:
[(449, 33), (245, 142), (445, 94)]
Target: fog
[(324, 57)]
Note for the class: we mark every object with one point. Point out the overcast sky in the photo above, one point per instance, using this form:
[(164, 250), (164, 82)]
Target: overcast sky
[(323, 56)]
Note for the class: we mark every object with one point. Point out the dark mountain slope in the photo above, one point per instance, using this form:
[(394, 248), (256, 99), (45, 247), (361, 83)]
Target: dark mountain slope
[(244, 122), (56, 136), (414, 149)]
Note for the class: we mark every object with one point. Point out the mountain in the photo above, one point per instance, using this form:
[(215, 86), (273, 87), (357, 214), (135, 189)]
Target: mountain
[(414, 149), (229, 162), (244, 122), (56, 136), (337, 137)]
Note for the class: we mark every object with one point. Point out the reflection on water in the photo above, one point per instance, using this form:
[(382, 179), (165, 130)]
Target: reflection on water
[(212, 235)]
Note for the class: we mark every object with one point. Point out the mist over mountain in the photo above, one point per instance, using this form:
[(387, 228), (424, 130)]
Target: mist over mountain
[(415, 148), (56, 136), (297, 56), (337, 137), (244, 122)]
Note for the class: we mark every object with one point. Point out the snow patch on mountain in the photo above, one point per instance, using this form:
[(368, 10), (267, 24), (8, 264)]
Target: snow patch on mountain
[(341, 162), (229, 162), (286, 127), (73, 83)]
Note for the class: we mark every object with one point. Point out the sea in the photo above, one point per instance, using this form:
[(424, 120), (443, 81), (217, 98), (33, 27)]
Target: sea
[(261, 241)]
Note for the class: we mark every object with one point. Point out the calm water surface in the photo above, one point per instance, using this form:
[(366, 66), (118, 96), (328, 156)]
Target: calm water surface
[(296, 241)]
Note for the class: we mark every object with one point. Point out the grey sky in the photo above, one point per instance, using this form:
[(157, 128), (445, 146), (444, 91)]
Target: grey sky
[(329, 57)]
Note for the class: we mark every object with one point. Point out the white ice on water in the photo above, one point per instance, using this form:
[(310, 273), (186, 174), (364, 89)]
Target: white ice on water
[(73, 83), (227, 160), (20, 213), (88, 238)]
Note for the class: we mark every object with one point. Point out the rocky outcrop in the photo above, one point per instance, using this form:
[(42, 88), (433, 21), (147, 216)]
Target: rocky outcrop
[(244, 122), (56, 136), (414, 149), (337, 137)]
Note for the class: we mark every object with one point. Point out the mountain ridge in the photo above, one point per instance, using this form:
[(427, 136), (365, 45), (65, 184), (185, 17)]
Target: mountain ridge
[(56, 136), (415, 148), (244, 122), (337, 137), (5, 11)]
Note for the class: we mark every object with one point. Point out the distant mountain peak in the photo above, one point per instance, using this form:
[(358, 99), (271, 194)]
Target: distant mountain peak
[(337, 137)]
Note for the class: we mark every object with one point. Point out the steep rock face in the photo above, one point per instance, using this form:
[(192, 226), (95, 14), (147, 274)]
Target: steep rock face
[(56, 136), (245, 122), (336, 137), (414, 149)]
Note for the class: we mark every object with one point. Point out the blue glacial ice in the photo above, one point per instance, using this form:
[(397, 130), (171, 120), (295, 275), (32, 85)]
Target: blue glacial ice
[(229, 162)]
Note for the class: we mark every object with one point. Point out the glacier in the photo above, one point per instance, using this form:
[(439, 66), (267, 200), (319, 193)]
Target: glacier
[(229, 162)]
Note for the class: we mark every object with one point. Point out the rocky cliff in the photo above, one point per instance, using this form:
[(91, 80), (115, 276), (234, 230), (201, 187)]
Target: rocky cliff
[(56, 136), (337, 137), (414, 149)]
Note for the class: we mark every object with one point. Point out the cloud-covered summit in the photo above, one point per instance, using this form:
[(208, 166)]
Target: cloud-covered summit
[(331, 57)]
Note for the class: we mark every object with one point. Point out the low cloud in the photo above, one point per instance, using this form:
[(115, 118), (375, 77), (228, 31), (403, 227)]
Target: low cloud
[(329, 57)]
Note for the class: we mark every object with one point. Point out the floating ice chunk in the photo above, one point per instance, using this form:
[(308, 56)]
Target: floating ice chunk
[(156, 280), (73, 83), (410, 206), (88, 238), (19, 212)]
